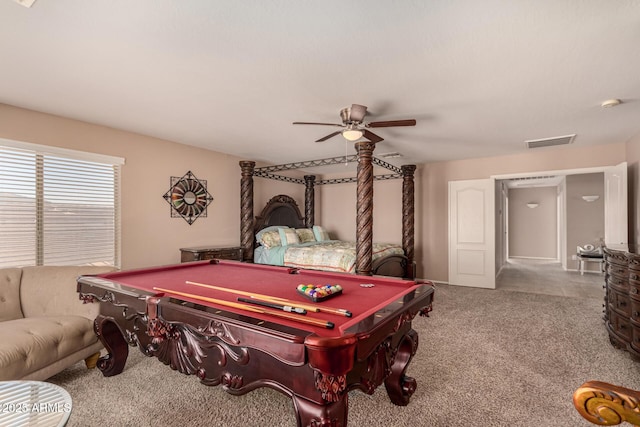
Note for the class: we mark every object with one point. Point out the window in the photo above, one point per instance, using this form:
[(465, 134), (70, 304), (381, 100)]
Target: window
[(58, 207)]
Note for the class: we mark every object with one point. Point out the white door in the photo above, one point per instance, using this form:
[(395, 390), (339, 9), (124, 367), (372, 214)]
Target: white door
[(615, 207), (472, 233)]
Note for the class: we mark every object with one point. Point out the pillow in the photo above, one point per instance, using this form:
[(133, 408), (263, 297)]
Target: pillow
[(271, 239), (288, 236), (305, 235), (269, 236), (267, 229), (320, 233)]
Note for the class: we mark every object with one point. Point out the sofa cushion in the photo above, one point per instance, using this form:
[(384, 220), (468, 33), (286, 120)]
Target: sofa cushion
[(10, 294), (29, 344), (52, 290)]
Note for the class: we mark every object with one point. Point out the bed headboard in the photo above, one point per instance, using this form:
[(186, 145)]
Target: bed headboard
[(280, 210)]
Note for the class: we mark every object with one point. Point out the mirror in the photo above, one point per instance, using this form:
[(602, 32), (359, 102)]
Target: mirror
[(189, 197)]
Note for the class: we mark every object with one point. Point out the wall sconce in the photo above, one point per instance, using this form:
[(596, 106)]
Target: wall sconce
[(590, 198), (532, 205)]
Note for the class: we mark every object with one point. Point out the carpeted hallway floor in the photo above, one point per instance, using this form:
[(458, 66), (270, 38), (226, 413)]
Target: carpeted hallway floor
[(548, 277)]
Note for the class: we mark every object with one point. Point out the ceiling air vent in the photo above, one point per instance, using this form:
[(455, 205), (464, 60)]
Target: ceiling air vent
[(549, 142)]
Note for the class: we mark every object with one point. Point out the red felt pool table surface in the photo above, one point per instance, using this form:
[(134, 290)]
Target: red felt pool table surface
[(281, 282)]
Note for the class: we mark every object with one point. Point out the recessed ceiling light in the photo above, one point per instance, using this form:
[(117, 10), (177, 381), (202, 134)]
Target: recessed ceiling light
[(610, 103)]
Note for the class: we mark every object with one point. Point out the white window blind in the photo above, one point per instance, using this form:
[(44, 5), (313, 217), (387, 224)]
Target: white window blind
[(58, 207)]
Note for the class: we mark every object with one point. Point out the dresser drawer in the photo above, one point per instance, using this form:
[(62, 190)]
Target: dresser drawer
[(634, 290), (202, 253), (621, 285), (621, 326), (619, 302), (618, 271), (635, 313), (635, 341), (634, 262)]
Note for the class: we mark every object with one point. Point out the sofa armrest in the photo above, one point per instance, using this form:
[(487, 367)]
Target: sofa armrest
[(52, 291), (10, 294)]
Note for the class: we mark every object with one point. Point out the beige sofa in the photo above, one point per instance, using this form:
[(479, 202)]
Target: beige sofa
[(44, 327)]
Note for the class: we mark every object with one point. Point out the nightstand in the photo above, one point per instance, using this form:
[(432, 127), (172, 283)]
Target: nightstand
[(201, 253)]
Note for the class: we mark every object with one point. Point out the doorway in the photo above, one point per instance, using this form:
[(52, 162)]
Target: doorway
[(591, 208), (549, 217), (615, 199), (533, 224)]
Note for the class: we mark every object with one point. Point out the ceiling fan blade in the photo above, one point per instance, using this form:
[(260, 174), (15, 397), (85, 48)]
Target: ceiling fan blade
[(331, 135), (314, 123), (357, 112), (372, 136), (391, 123)]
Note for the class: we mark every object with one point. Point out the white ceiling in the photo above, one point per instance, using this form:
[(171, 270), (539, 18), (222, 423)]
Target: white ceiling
[(480, 77)]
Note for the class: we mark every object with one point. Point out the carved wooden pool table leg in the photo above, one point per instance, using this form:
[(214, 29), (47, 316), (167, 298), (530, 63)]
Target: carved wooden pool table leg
[(117, 348), (311, 414), (400, 387)]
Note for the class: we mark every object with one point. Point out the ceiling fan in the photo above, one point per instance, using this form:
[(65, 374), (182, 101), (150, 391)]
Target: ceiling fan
[(355, 127)]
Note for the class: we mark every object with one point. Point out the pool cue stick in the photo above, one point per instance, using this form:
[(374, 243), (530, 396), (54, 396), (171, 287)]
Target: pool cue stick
[(272, 304), (309, 307), (257, 296), (296, 318), (338, 311)]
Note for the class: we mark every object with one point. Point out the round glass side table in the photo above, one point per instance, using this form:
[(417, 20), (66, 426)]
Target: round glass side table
[(33, 403)]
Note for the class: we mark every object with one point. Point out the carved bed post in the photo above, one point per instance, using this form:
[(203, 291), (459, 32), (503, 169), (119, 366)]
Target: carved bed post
[(309, 200), (246, 209), (408, 217), (364, 218)]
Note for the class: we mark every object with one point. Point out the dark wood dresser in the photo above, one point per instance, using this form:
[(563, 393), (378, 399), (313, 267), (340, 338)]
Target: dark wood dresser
[(201, 253), (622, 300)]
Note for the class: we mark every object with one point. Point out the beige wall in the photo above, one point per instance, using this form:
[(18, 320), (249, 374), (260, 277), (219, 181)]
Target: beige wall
[(149, 235), (585, 221), (533, 233), (633, 161), (336, 209)]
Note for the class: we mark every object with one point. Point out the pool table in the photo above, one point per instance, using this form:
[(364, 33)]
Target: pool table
[(241, 346)]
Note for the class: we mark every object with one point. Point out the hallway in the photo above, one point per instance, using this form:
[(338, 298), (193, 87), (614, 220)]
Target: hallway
[(547, 277)]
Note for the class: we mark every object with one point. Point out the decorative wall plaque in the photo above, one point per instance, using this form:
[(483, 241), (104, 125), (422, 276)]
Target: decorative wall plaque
[(188, 197)]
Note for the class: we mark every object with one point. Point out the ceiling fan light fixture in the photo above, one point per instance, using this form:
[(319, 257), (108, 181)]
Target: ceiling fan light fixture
[(352, 134), (354, 127)]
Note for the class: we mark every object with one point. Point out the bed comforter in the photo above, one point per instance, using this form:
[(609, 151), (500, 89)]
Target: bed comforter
[(332, 255)]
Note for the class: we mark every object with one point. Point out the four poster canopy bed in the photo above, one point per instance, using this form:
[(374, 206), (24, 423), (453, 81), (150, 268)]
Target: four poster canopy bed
[(281, 235)]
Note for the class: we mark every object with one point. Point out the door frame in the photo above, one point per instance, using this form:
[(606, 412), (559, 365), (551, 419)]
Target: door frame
[(564, 172)]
